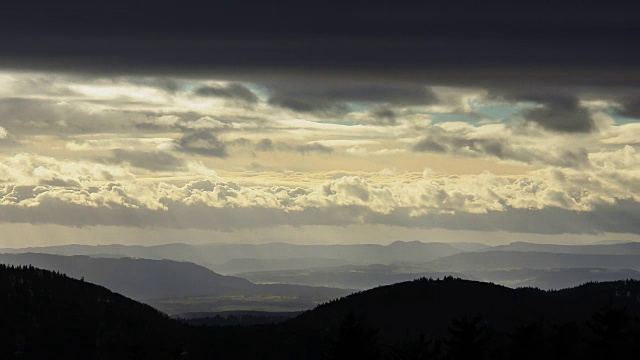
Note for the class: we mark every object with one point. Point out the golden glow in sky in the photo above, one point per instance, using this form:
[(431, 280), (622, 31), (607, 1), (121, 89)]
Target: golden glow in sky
[(231, 157)]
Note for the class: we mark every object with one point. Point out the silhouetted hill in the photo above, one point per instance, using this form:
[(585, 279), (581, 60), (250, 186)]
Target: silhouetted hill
[(149, 280), (51, 316), (503, 260), (47, 315), (391, 317), (428, 306), (630, 248), (138, 278)]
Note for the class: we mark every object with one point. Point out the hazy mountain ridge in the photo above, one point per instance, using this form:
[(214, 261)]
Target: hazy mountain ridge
[(622, 248), (355, 266), (510, 268), (137, 278), (350, 276), (504, 260), (176, 251), (213, 255), (151, 280), (398, 251)]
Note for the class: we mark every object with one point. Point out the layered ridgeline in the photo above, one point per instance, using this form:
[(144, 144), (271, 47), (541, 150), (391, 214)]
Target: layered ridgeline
[(547, 266), (514, 265), (178, 287), (629, 248), (235, 258), (48, 315)]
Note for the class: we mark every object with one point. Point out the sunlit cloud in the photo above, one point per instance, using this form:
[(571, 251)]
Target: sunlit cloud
[(185, 153)]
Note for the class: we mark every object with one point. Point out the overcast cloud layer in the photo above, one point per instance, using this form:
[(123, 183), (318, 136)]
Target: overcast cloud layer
[(461, 117)]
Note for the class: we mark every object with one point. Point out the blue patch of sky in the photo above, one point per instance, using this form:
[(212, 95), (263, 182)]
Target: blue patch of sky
[(483, 113), (261, 91), (619, 119), (446, 117), (360, 106), (501, 112)]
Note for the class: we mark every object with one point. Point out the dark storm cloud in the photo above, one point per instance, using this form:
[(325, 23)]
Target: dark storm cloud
[(384, 116), (555, 109), (559, 113), (321, 58), (529, 43), (335, 97), (232, 91), (150, 160), (203, 143), (167, 84), (439, 140), (630, 107)]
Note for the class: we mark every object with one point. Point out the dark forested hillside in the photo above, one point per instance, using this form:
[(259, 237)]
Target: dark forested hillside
[(461, 319), (46, 315), (137, 278)]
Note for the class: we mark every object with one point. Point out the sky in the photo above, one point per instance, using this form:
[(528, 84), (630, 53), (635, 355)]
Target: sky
[(352, 122)]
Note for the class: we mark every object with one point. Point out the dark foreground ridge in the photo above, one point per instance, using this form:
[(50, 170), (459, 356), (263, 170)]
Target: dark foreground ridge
[(49, 315)]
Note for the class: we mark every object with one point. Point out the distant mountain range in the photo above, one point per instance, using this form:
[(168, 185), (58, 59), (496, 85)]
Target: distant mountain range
[(505, 260), (519, 264), (227, 258), (630, 248)]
